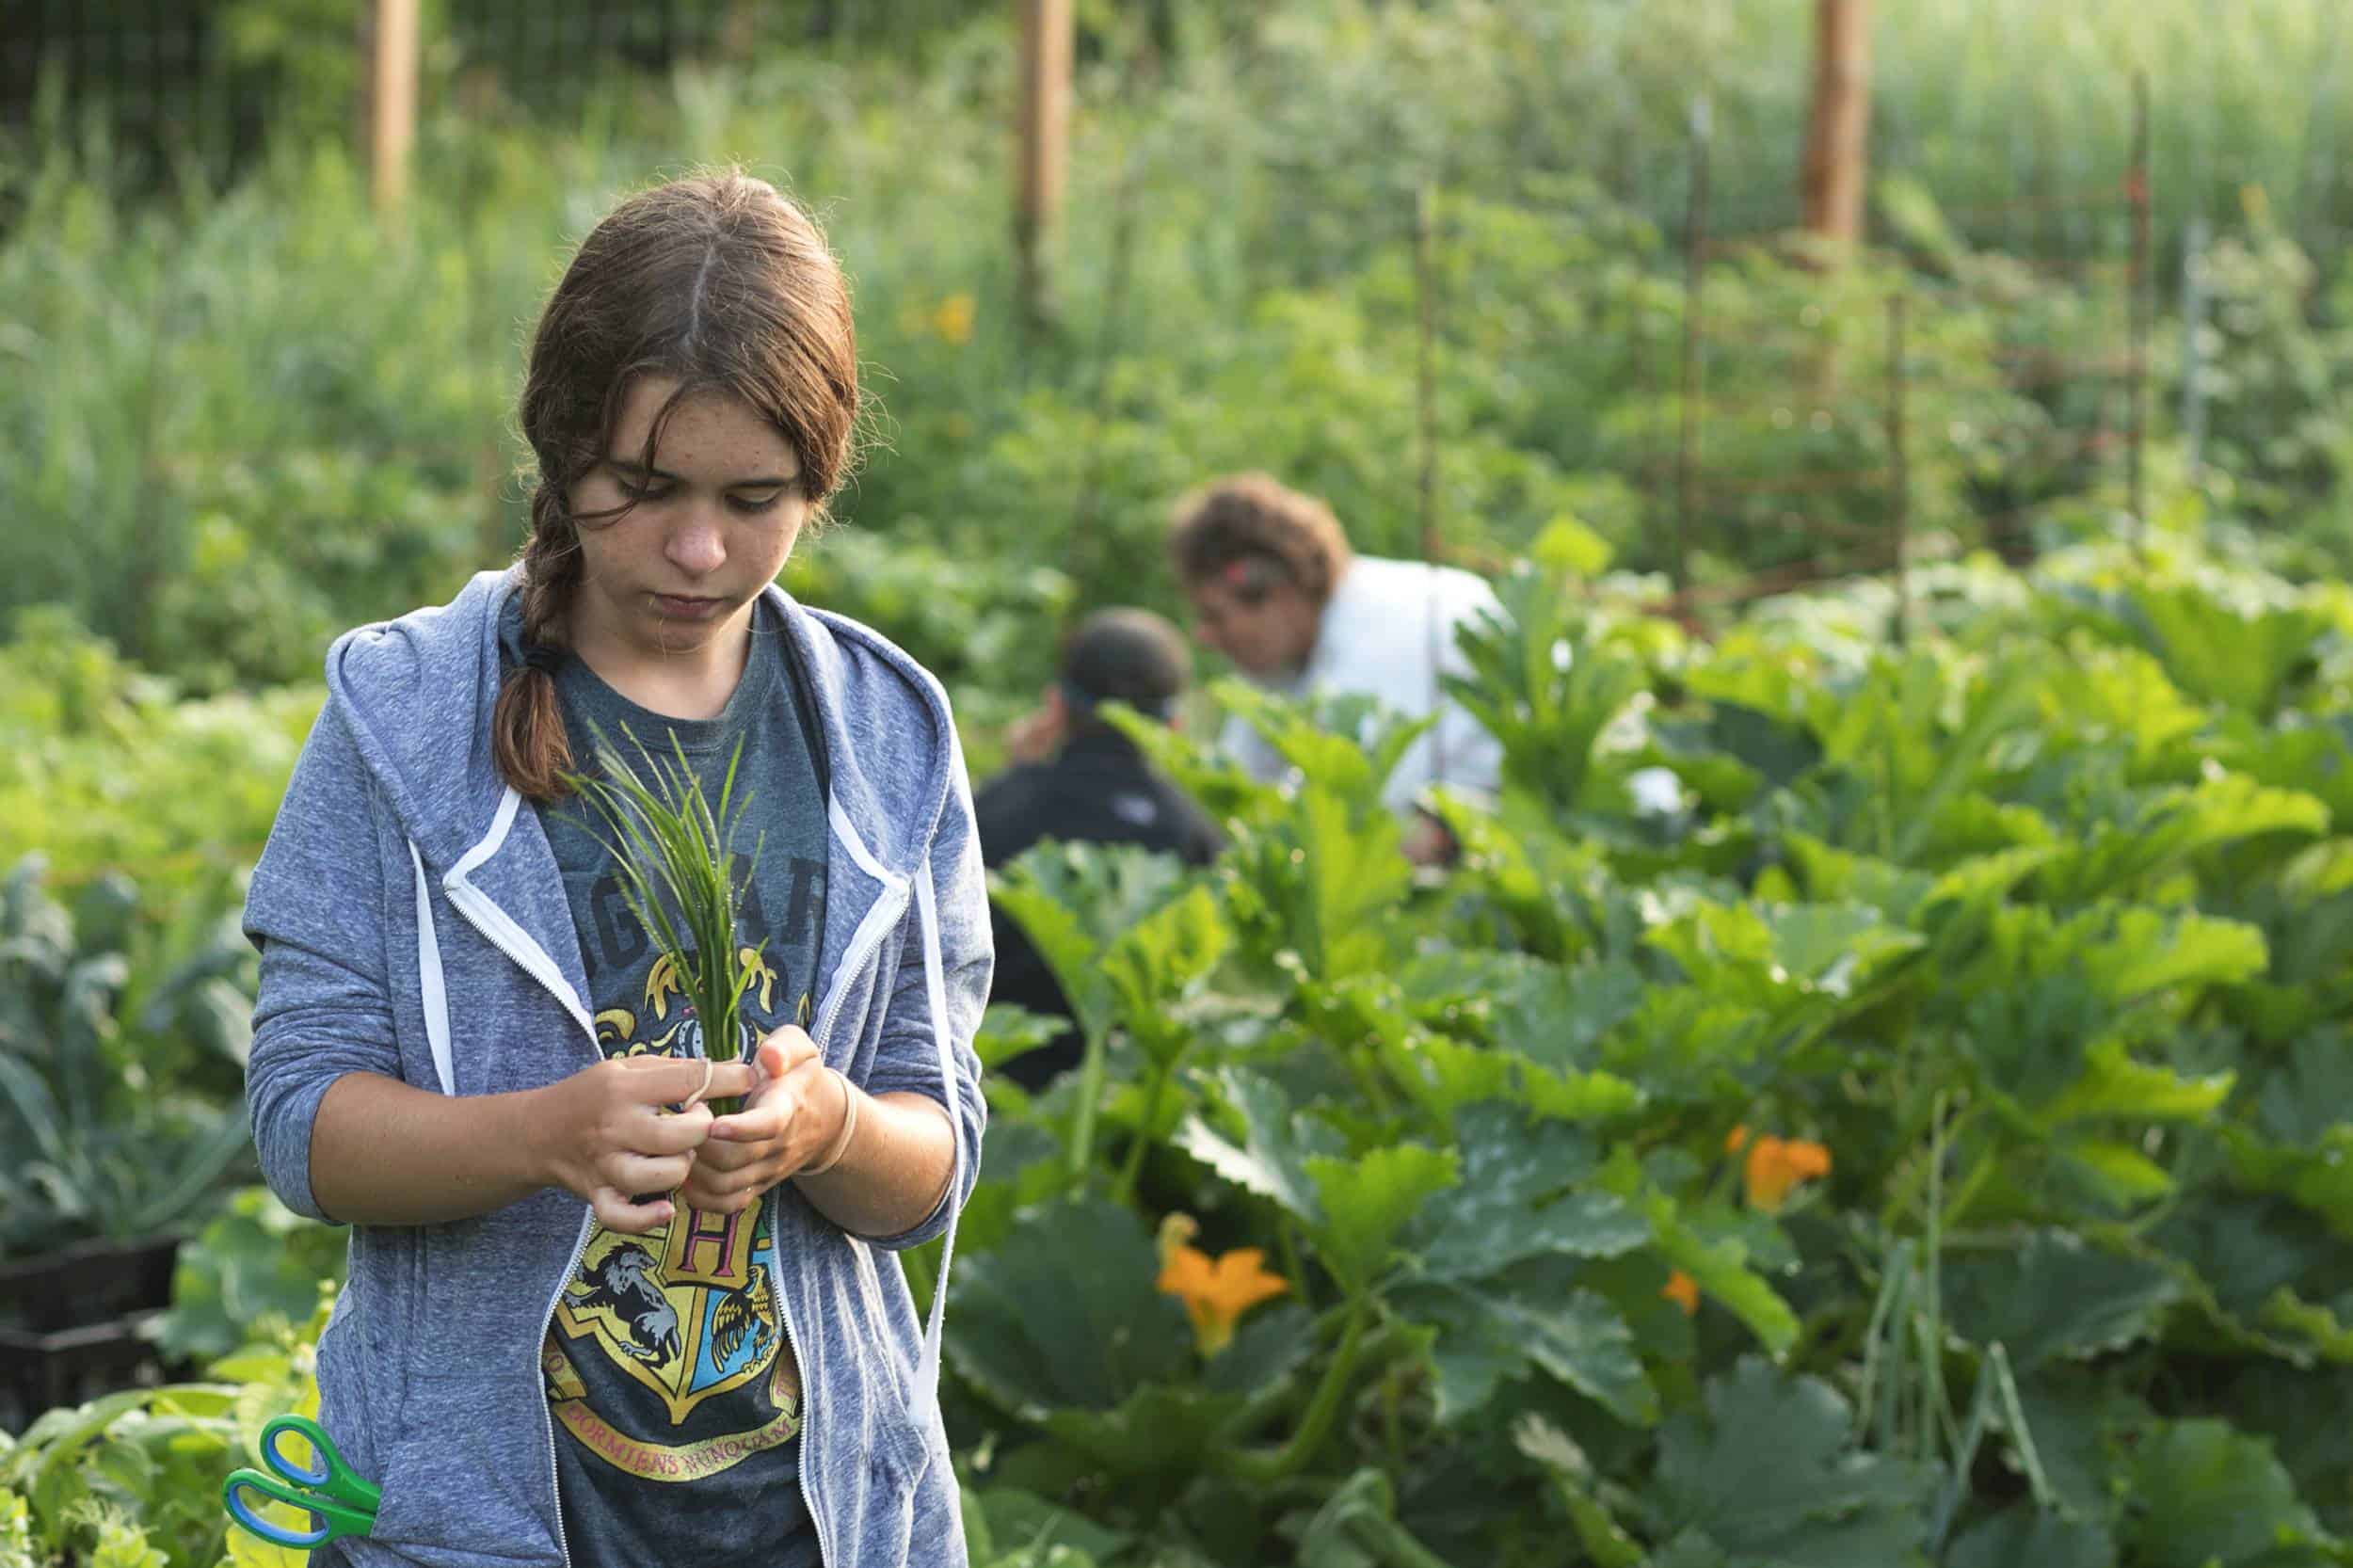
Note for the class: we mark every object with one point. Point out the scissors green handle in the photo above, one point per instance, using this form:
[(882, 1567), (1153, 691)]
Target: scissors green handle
[(338, 1500)]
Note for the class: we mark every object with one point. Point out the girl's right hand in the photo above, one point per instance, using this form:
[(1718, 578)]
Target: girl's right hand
[(606, 1135)]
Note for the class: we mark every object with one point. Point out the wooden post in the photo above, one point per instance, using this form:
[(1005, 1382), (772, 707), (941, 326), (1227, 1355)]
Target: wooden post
[(1426, 432), (1835, 165), (1694, 364), (1898, 466), (1044, 156), (388, 86), (2137, 191)]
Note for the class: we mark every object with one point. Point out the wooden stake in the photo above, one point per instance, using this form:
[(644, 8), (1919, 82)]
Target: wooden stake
[(1044, 155), (2137, 191), (1694, 364), (388, 78), (1836, 164), (1898, 466)]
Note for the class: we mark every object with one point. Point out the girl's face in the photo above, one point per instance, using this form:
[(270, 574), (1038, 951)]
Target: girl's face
[(713, 522)]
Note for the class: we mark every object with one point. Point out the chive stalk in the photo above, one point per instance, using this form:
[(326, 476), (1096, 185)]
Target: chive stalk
[(680, 878)]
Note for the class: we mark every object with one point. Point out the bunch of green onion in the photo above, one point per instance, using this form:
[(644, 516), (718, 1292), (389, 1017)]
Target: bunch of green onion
[(678, 878)]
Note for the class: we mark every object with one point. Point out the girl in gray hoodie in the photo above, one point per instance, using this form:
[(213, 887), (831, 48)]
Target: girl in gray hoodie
[(588, 1322)]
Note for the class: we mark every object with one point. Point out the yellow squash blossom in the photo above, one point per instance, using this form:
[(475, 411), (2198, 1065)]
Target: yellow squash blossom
[(1216, 1292), (1777, 1165), (1682, 1289)]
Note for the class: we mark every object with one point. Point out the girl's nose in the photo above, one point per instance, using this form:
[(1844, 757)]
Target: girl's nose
[(695, 545)]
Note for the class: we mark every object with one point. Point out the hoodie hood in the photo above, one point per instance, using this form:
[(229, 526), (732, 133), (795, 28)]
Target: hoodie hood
[(416, 695)]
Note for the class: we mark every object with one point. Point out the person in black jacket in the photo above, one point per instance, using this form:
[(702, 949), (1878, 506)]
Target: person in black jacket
[(1079, 780)]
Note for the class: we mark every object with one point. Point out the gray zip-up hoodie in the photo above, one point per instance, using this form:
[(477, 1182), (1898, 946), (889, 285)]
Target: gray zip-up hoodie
[(413, 924)]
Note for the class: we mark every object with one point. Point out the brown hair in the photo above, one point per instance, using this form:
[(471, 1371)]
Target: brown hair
[(720, 281), (1248, 528)]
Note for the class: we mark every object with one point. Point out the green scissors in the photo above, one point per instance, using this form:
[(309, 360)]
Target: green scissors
[(340, 1503)]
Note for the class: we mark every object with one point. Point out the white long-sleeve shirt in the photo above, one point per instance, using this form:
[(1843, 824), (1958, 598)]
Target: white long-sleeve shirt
[(1388, 632)]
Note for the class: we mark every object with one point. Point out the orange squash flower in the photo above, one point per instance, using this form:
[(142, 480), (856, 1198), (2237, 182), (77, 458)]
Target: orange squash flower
[(1776, 1166), (1682, 1289), (1216, 1292)]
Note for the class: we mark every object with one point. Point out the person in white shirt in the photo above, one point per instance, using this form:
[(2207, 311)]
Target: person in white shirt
[(1275, 588)]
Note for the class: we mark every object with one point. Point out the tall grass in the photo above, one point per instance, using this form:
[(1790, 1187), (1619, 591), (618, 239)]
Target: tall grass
[(236, 420)]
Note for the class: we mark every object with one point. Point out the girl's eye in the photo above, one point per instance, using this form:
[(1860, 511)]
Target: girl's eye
[(753, 506), (639, 494)]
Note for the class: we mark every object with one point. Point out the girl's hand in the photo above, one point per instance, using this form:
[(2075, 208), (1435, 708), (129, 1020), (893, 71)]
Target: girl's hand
[(606, 1134), (788, 1124)]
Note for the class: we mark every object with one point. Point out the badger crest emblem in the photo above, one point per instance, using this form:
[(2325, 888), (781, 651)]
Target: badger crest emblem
[(688, 1310)]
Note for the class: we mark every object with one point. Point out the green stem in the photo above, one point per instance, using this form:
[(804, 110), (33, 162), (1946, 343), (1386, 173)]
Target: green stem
[(1904, 1190), (1394, 1544), (1090, 1099), (1124, 1191), (1261, 1466), (1287, 1235), (1392, 1424)]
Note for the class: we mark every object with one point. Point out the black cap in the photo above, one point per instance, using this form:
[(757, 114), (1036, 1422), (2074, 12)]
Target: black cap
[(1124, 655)]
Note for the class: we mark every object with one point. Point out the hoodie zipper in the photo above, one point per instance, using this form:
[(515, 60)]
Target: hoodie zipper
[(863, 944), (580, 1242), (862, 948)]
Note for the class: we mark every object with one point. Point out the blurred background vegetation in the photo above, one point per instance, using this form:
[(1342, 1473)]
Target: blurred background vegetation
[(243, 414), (243, 409)]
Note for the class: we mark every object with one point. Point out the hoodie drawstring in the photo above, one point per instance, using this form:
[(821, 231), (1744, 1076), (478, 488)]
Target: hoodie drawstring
[(429, 979), (936, 994)]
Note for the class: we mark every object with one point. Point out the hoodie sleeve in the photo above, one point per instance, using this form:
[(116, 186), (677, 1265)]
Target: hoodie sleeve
[(315, 910), (909, 1057)]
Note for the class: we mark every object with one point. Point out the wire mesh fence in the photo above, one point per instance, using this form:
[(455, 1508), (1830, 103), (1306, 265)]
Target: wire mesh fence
[(1786, 447)]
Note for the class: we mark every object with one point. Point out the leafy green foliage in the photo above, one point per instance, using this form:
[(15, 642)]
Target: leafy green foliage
[(1766, 1477), (96, 1140), (2034, 937)]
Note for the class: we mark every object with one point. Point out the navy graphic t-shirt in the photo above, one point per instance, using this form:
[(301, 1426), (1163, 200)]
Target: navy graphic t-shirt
[(676, 1402)]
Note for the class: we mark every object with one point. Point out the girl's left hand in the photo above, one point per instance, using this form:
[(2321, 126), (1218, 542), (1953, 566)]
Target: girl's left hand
[(787, 1123)]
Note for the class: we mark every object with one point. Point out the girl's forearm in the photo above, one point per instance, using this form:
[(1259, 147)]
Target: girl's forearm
[(895, 1169), (387, 1153)]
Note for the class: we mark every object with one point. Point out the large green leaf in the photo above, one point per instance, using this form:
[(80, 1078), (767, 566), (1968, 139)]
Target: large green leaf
[(1721, 1269), (2307, 1096), (2244, 1247), (2113, 1085), (2056, 1297), (2157, 831), (1073, 901), (2083, 1429), (1530, 1319), (1768, 1474), (1368, 1200), (2320, 1177), (2301, 1412), (2023, 1538), (2224, 648), (1320, 882), (1160, 962), (1777, 954), (1023, 1520), (1345, 746), (1159, 1430), (1543, 686), (1512, 1201), (1068, 1314), (1270, 1158), (2130, 953), (1358, 1528), (2212, 1498)]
